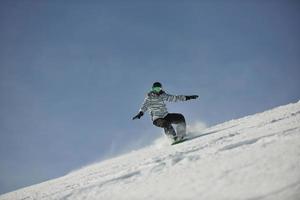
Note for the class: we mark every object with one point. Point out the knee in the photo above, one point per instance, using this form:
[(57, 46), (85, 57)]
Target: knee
[(181, 117), (160, 123)]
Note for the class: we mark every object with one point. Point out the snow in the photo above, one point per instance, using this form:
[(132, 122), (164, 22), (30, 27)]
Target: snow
[(255, 157)]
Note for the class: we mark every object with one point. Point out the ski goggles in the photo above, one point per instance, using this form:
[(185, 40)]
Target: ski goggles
[(156, 89)]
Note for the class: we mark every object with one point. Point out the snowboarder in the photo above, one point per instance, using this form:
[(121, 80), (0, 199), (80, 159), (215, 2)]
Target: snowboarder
[(155, 104)]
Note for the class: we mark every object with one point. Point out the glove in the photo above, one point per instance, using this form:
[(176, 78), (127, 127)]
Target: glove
[(191, 97), (138, 116)]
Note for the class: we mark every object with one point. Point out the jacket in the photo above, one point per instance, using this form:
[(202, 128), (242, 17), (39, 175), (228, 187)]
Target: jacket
[(155, 103)]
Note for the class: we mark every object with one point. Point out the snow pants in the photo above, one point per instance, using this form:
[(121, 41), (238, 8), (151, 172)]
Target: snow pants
[(166, 123)]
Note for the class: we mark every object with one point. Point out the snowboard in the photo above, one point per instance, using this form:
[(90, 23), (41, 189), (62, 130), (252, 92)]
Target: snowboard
[(189, 136), (179, 141)]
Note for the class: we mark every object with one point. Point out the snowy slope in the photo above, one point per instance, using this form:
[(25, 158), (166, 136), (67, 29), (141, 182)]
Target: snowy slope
[(255, 157)]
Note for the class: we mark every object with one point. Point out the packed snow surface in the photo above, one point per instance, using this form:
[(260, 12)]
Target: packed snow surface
[(255, 157)]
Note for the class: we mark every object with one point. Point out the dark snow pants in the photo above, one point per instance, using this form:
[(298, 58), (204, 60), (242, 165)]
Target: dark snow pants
[(167, 121)]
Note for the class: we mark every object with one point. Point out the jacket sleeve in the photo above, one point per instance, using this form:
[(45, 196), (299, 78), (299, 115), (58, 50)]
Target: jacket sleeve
[(145, 105), (173, 98)]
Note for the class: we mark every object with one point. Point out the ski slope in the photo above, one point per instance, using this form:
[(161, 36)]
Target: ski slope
[(255, 157)]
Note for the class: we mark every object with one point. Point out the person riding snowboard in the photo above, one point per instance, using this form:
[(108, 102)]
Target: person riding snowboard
[(155, 104)]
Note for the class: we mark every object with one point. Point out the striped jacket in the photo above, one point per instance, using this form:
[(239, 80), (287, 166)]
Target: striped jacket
[(155, 103)]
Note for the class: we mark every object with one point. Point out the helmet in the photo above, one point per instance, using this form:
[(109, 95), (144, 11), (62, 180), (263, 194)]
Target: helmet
[(156, 84)]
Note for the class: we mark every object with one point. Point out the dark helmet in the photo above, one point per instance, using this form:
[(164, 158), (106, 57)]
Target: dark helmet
[(156, 84)]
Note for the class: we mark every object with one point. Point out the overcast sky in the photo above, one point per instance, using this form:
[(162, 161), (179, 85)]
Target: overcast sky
[(74, 73)]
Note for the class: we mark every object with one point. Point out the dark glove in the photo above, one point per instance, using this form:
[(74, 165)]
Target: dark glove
[(138, 116), (191, 97)]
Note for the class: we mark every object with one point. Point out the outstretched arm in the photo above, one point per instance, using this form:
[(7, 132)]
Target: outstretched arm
[(143, 109), (175, 98), (145, 105)]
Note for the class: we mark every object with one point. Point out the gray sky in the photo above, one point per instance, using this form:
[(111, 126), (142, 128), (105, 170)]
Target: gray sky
[(74, 73)]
